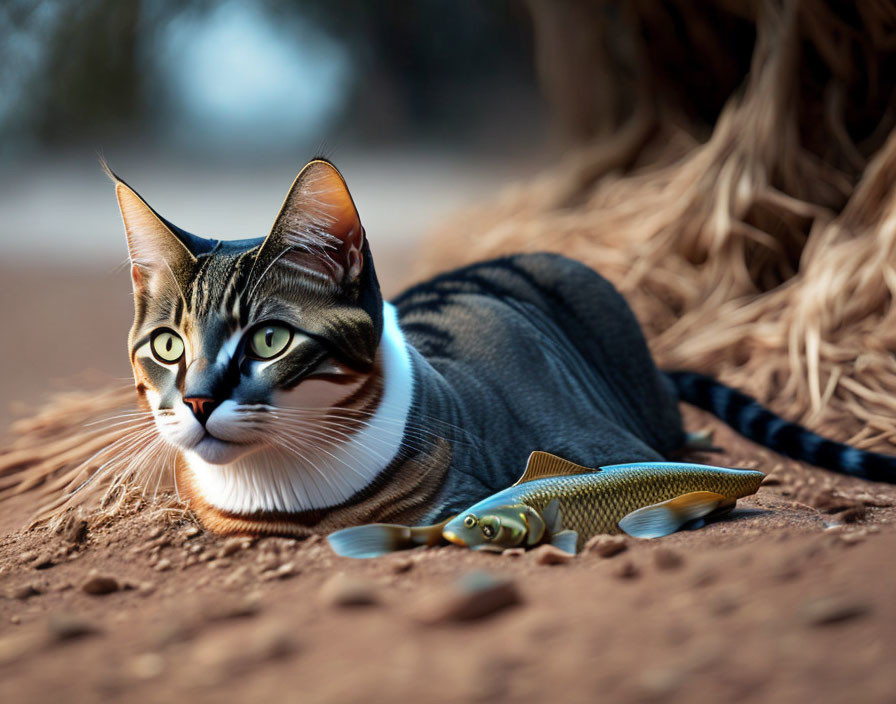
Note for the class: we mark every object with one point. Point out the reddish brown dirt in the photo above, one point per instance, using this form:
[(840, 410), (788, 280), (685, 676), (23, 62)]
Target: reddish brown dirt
[(790, 599), (742, 618)]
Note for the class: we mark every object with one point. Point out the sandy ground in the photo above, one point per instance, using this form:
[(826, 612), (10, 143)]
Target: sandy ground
[(790, 599)]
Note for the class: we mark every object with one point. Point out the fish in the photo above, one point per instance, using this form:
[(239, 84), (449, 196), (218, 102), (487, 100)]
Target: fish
[(559, 502)]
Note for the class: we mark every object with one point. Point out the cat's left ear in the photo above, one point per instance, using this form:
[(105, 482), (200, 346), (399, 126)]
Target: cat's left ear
[(318, 226), (155, 251)]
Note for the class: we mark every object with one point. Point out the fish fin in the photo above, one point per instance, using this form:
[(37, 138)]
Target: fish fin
[(667, 517), (536, 525), (544, 464), (566, 540), (376, 539), (429, 535), (551, 514)]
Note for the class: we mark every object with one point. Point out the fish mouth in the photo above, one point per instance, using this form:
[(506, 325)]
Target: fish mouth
[(452, 537)]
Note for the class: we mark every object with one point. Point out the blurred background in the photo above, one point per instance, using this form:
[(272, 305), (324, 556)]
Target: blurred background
[(689, 151), (209, 109)]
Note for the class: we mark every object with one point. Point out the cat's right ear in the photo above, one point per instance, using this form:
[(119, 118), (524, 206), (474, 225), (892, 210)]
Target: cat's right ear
[(156, 253)]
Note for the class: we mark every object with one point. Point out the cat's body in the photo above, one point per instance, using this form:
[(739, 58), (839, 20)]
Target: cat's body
[(300, 402), (530, 352)]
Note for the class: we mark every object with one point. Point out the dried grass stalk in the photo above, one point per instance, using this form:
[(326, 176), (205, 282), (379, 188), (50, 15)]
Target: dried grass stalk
[(749, 255)]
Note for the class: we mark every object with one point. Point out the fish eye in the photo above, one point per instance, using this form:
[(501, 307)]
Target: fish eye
[(470, 521), (167, 346), (269, 340), (489, 527)]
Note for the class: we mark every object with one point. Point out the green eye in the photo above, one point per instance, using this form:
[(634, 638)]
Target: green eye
[(470, 521), (167, 347), (269, 340)]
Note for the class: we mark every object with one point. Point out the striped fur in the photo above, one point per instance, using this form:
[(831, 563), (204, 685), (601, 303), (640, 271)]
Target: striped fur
[(752, 420), (405, 413)]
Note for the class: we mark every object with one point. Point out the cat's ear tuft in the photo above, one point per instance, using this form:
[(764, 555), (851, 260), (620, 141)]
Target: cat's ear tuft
[(152, 246), (320, 225)]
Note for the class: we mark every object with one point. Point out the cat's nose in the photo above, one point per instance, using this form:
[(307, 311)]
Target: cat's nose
[(202, 406)]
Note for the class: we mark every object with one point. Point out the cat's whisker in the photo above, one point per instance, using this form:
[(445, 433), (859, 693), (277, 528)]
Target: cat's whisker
[(339, 459), (130, 458), (313, 431), (425, 440), (161, 471), (136, 420), (307, 462), (122, 448), (411, 427), (347, 413), (322, 474)]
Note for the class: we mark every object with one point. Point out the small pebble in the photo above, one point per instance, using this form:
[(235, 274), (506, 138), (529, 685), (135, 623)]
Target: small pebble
[(626, 570), (192, 531), (850, 515), (851, 538), (830, 610), (476, 595), (163, 564), (704, 576), (287, 569), (551, 555), (147, 666), (27, 556), (75, 531), (514, 552), (343, 590), (606, 545), (661, 682), (667, 559), (18, 645), (786, 570), (401, 565), (232, 546), (25, 591), (100, 584), (64, 626), (226, 609), (15, 619)]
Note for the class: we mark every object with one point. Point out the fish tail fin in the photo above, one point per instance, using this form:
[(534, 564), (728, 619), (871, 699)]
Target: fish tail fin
[(376, 539), (754, 421)]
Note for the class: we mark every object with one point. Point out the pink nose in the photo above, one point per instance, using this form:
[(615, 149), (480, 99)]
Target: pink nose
[(202, 406)]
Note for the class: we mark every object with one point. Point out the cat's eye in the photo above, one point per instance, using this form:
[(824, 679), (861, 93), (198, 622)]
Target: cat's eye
[(269, 340), (166, 346)]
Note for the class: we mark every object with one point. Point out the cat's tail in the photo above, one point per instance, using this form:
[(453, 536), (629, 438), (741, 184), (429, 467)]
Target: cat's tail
[(754, 421)]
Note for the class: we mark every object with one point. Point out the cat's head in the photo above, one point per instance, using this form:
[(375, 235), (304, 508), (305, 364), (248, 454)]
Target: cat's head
[(230, 335)]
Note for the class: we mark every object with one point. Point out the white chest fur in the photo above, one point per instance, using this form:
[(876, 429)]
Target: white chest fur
[(279, 480)]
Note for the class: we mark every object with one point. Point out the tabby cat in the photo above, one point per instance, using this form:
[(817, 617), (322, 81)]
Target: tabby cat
[(300, 402)]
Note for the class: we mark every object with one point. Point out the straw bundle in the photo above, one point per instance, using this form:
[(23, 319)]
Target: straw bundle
[(750, 255)]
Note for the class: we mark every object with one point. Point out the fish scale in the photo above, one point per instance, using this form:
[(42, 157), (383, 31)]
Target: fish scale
[(594, 503)]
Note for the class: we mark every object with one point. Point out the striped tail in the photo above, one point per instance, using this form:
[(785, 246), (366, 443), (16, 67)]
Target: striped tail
[(754, 421)]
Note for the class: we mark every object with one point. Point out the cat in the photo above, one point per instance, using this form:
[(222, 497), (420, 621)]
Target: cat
[(300, 402)]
